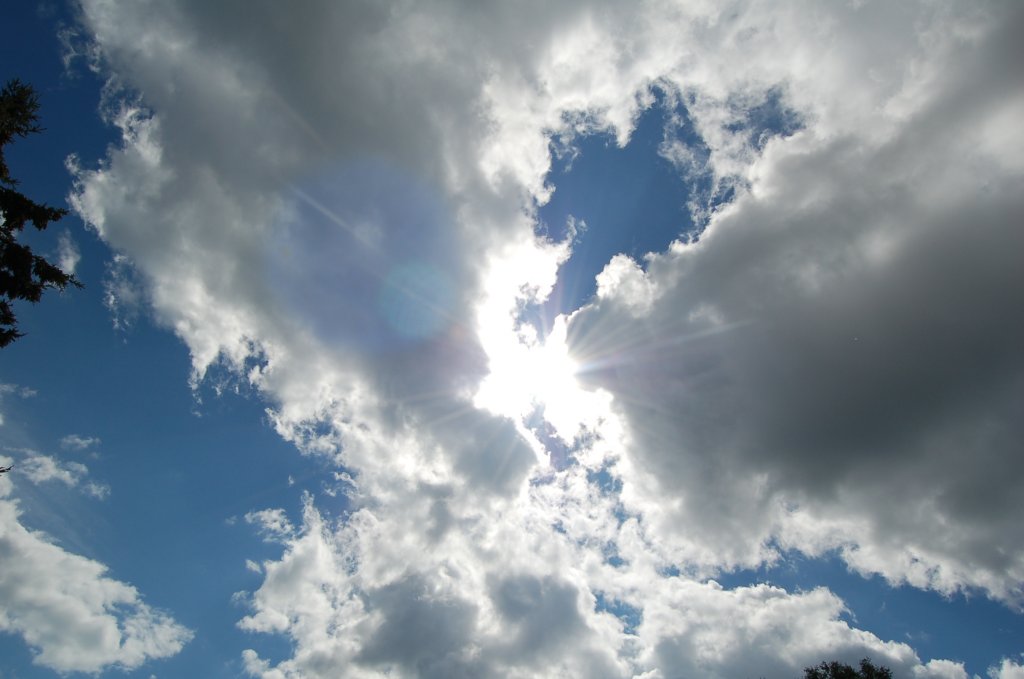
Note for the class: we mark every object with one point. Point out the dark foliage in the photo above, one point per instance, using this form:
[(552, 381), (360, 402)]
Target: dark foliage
[(23, 274), (837, 670)]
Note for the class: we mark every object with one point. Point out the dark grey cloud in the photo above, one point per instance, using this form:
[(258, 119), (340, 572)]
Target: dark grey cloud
[(424, 634), (845, 337)]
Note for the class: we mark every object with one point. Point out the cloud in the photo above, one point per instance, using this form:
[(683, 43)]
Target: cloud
[(68, 255), (1008, 669), (122, 293), (273, 524), (832, 365), (42, 468), (21, 392), (338, 206), (352, 598), (77, 442), (14, 389), (71, 614)]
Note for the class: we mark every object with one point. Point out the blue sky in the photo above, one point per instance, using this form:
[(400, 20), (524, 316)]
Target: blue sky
[(654, 341)]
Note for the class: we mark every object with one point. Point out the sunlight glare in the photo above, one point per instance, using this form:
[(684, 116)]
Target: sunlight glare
[(528, 372)]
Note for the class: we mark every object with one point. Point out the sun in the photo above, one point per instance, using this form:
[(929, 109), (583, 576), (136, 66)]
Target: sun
[(526, 372), (529, 372)]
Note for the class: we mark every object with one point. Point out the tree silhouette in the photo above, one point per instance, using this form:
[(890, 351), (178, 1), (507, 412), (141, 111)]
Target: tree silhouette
[(23, 274), (837, 670)]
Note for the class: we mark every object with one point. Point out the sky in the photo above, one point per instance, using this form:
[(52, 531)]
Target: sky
[(659, 339)]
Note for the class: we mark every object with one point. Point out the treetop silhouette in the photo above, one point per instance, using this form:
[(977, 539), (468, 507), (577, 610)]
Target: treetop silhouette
[(24, 275), (837, 670)]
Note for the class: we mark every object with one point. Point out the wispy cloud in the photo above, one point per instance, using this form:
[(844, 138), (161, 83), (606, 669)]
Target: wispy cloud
[(68, 255), (43, 468), (122, 293), (16, 390), (77, 442), (273, 524)]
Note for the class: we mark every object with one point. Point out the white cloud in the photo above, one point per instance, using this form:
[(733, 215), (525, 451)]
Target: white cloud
[(122, 293), (78, 442), (21, 392), (273, 524), (338, 205), (622, 277), (497, 600), (42, 468), (68, 255), (15, 390), (1008, 669), (72, 615)]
